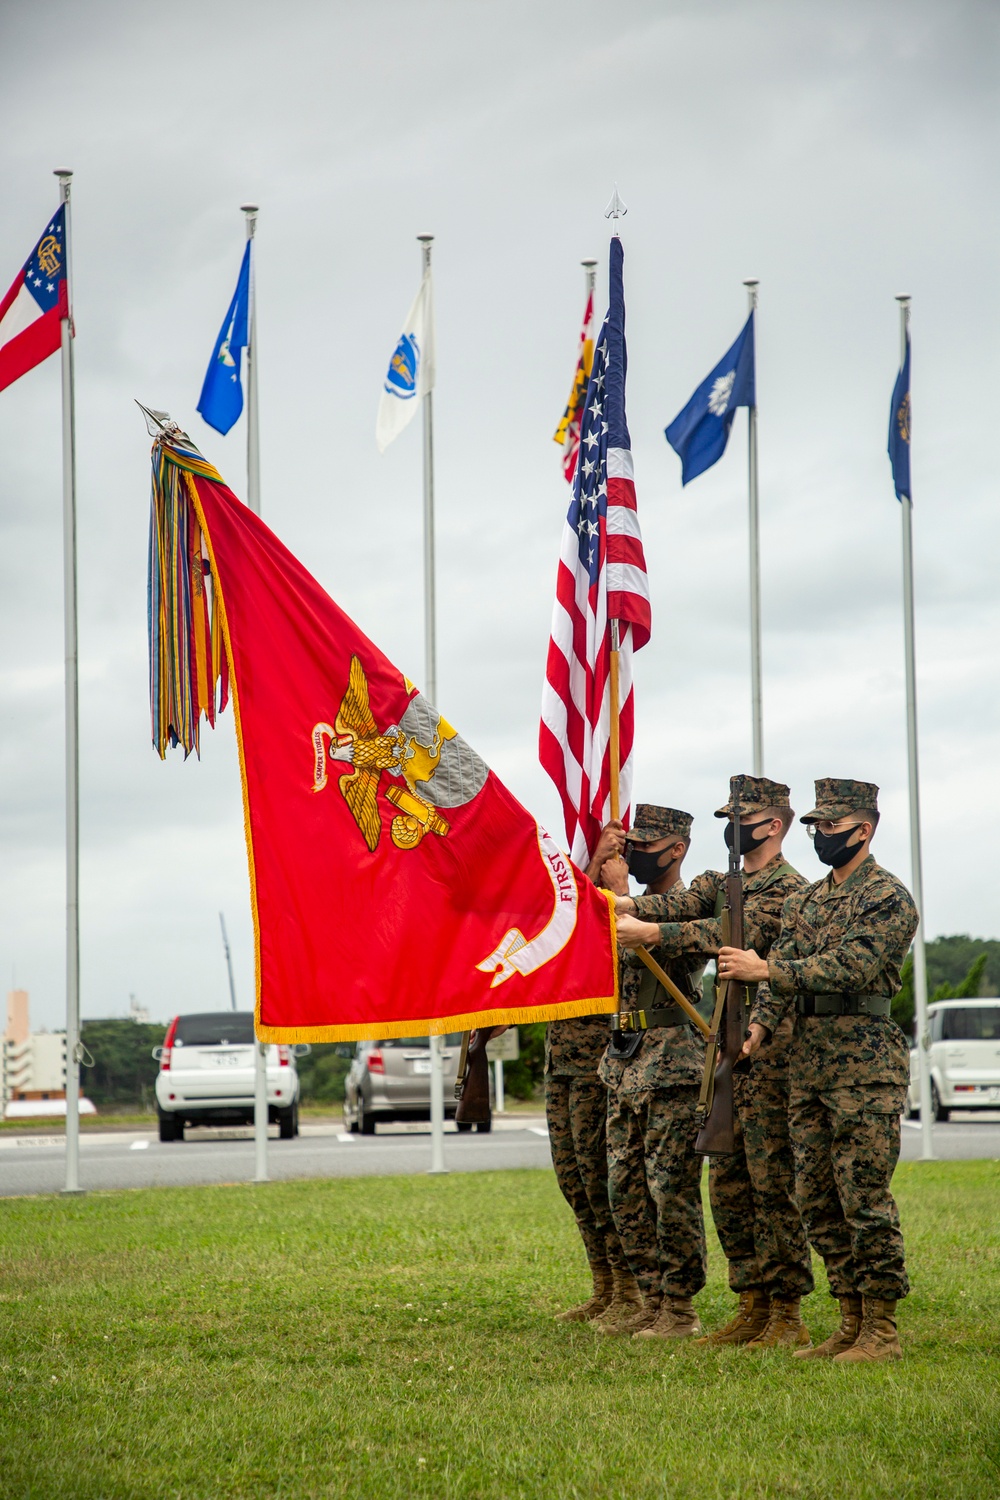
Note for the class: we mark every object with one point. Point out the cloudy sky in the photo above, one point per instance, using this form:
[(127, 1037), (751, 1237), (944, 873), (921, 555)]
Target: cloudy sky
[(841, 153)]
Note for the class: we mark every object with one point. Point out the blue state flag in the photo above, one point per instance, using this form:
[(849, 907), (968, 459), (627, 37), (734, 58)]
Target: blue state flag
[(899, 429), (221, 399), (700, 432)]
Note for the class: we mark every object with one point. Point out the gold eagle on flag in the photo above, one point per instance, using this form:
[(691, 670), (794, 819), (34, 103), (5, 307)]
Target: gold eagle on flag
[(355, 738)]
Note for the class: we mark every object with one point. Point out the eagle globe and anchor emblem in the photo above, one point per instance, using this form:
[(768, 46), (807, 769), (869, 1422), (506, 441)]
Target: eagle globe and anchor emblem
[(439, 770), (437, 766)]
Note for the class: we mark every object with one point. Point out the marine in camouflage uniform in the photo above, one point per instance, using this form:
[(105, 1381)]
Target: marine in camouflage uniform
[(752, 1192), (576, 1110), (654, 1172), (835, 968)]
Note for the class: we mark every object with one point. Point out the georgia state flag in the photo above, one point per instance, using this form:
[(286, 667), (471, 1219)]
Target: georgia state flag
[(35, 305)]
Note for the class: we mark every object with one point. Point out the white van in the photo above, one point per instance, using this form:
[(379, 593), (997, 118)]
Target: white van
[(965, 1057)]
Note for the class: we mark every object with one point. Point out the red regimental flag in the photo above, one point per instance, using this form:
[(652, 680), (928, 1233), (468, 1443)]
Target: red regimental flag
[(398, 888)]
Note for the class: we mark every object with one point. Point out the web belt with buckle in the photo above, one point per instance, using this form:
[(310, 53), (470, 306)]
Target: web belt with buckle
[(843, 1005), (642, 1020)]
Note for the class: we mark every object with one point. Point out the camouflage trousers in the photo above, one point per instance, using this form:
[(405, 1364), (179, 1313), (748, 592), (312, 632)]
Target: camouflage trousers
[(846, 1144), (654, 1182), (576, 1110), (752, 1192)]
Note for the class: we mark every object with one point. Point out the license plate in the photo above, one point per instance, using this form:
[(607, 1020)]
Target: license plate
[(995, 1093), (422, 1065), (227, 1059)]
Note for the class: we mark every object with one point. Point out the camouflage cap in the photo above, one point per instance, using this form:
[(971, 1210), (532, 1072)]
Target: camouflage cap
[(651, 823), (758, 793), (836, 799)]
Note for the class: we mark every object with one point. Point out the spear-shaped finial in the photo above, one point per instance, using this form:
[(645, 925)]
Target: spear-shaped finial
[(160, 423), (616, 209)]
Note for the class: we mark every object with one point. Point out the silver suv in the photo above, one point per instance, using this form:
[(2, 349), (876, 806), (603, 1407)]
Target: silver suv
[(391, 1080)]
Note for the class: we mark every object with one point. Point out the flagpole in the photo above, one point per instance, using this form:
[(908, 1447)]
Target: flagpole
[(916, 859), (430, 680), (615, 210), (250, 211), (756, 689), (73, 1050)]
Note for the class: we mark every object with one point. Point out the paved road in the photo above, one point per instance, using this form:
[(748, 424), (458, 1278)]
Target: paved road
[(36, 1164)]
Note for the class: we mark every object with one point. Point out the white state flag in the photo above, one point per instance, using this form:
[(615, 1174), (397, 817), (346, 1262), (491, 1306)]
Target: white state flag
[(411, 369)]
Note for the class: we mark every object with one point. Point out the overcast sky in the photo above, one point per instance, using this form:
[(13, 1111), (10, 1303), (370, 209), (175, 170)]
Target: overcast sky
[(841, 153)]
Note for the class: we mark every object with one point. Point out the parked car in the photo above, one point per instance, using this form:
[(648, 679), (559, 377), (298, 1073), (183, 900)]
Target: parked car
[(206, 1075), (391, 1080), (964, 1057)]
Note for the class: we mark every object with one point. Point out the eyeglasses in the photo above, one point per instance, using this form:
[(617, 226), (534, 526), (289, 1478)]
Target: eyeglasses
[(830, 825)]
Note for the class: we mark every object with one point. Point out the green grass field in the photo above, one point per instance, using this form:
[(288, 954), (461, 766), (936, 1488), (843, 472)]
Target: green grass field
[(393, 1337)]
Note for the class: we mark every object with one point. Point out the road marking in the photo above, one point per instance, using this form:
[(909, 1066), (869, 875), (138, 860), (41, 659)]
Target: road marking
[(348, 1140), (139, 1146), (911, 1124), (538, 1130)]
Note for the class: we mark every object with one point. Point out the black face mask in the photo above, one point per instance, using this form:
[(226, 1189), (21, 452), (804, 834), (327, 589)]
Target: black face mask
[(832, 848), (646, 867), (747, 841)]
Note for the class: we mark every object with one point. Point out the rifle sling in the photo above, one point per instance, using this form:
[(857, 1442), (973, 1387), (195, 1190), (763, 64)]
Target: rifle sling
[(707, 1091)]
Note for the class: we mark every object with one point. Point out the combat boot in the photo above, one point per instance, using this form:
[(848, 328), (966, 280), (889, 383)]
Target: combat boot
[(642, 1317), (677, 1320), (750, 1320), (843, 1338), (785, 1328), (626, 1299), (598, 1300), (878, 1338)]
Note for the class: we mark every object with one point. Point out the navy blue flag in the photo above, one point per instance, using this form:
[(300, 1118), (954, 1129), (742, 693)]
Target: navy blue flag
[(700, 432), (899, 429), (221, 398)]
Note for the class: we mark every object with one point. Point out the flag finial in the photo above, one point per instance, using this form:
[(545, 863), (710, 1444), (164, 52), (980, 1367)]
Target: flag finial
[(616, 209)]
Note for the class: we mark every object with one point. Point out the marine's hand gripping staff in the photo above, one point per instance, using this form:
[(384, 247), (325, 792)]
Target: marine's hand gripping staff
[(714, 1113)]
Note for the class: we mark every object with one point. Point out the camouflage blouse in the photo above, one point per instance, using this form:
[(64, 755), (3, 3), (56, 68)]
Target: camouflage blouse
[(689, 916), (850, 938)]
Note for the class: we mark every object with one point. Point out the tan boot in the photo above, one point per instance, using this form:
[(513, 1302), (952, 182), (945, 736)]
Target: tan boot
[(843, 1338), (878, 1338), (626, 1299), (750, 1320), (642, 1317), (598, 1300), (677, 1320), (785, 1328)]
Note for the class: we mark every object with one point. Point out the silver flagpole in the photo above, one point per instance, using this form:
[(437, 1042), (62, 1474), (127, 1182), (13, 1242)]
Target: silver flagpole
[(73, 1048), (430, 677), (250, 211), (755, 649), (916, 860)]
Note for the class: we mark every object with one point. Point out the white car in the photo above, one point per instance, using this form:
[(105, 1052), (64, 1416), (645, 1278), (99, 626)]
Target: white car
[(206, 1075), (964, 1057)]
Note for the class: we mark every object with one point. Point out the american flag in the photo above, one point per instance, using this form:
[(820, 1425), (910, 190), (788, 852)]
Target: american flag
[(602, 577)]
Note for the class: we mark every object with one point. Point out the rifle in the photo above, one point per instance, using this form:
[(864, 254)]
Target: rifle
[(715, 1112), (472, 1084)]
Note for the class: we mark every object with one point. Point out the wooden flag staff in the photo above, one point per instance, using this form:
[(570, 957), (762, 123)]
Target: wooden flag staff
[(614, 755)]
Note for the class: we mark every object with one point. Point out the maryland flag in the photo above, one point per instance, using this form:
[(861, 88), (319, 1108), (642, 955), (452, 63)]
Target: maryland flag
[(567, 434), (398, 888)]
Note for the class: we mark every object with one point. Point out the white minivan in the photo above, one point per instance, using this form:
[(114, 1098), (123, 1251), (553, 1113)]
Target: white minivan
[(206, 1075), (965, 1057)]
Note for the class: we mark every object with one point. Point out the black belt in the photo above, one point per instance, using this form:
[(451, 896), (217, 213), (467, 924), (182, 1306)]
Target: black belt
[(843, 1005), (641, 1020)]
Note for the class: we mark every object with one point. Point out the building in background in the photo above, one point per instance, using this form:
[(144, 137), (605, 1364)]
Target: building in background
[(32, 1066)]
